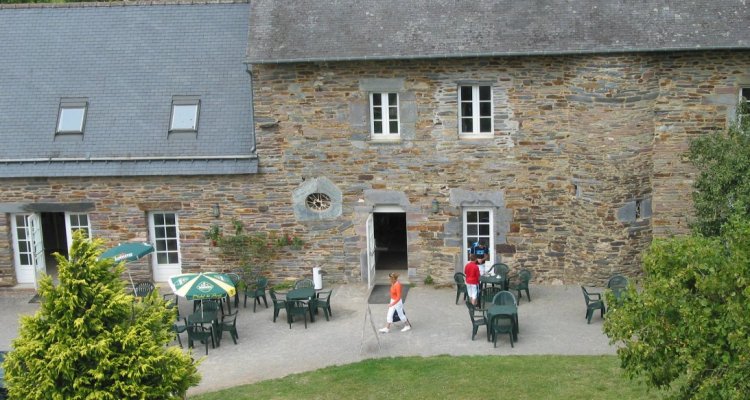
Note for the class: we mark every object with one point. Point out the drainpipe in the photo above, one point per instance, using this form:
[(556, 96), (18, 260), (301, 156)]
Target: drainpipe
[(249, 68)]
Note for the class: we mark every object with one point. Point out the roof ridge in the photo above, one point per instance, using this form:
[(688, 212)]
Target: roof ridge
[(123, 3)]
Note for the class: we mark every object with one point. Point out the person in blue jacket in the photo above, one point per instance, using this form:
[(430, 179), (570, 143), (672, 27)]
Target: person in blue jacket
[(481, 251)]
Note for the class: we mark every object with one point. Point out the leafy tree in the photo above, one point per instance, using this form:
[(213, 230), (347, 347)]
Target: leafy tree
[(723, 185), (689, 327), (90, 340)]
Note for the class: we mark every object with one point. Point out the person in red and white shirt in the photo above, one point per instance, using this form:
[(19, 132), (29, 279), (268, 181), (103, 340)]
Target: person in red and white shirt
[(471, 270)]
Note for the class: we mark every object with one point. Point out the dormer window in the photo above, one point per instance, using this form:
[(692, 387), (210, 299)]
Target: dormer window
[(71, 117), (185, 112)]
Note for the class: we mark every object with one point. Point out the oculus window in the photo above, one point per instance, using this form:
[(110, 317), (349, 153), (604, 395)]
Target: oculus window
[(318, 201), (71, 118), (185, 113), (475, 109)]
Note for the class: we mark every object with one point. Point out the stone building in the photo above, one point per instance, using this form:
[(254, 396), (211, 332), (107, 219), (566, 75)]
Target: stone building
[(132, 121), (553, 131), (385, 135)]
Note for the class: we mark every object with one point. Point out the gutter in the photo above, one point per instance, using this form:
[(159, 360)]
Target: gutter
[(120, 159), (491, 54)]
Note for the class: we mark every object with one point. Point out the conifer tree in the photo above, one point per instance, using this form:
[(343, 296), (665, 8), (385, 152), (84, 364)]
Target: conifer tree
[(91, 340)]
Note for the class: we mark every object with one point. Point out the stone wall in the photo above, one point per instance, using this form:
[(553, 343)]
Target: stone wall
[(585, 166), (587, 153)]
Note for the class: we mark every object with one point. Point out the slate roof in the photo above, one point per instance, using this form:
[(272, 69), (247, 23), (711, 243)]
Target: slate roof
[(302, 30), (128, 60)]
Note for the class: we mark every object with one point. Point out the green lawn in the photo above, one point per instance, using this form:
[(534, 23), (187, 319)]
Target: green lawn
[(445, 377)]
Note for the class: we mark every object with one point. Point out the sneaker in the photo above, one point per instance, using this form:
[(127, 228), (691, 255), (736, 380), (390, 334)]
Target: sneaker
[(406, 328), (384, 330)]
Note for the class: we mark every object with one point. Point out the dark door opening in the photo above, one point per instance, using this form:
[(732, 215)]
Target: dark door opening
[(390, 241), (55, 240)]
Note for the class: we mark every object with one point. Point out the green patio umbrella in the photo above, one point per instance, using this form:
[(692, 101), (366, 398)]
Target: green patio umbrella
[(202, 285), (128, 252)]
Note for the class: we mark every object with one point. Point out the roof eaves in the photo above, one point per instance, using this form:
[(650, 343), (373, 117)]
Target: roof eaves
[(250, 60), (120, 3)]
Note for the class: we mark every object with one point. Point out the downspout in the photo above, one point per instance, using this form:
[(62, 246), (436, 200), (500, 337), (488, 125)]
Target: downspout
[(253, 146)]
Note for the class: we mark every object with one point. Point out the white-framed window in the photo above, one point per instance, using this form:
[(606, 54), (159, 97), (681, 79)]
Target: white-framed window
[(478, 227), (71, 116), (75, 222), (744, 100), (475, 109), (185, 113), (384, 118), (166, 238)]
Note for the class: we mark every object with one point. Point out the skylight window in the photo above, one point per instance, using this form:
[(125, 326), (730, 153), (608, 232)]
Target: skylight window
[(185, 112), (71, 117)]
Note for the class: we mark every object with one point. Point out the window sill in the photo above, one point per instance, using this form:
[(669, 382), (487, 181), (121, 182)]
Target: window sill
[(386, 140), (476, 135)]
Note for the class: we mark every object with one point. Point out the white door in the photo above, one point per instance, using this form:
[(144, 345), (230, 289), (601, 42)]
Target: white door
[(478, 227), (28, 247), (370, 252), (165, 237), (74, 222)]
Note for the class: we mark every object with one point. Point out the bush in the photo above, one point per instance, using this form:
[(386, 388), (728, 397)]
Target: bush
[(689, 327), (90, 340), (722, 188)]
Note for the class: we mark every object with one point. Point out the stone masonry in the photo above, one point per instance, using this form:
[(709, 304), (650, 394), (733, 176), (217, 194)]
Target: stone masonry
[(585, 167)]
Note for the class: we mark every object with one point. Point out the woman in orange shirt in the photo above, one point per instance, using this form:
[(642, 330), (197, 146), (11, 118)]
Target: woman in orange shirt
[(396, 305)]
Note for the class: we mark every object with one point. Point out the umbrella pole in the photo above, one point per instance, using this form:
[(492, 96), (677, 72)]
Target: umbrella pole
[(131, 282)]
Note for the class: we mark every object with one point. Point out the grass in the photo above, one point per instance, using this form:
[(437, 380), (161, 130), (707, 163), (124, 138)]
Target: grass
[(447, 377)]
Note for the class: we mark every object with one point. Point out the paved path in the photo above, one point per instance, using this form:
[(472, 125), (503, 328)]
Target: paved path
[(552, 323)]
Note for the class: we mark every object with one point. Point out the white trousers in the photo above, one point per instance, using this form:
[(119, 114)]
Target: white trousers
[(399, 307)]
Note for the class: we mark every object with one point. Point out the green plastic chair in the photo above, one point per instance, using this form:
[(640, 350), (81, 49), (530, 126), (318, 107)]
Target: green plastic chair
[(324, 302), (201, 334), (296, 308), (460, 280), (477, 319), (618, 284), (502, 270), (172, 302), (488, 295), (501, 324), (142, 289), (524, 276), (278, 304), (256, 291), (178, 329), (504, 297), (304, 283), (235, 277), (228, 324), (593, 302)]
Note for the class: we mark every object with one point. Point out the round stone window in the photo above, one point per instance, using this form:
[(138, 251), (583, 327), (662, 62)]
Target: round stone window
[(318, 202)]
